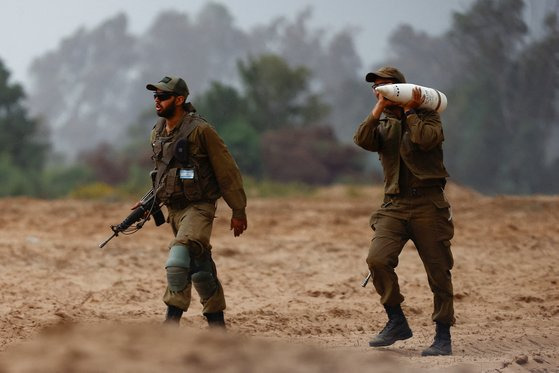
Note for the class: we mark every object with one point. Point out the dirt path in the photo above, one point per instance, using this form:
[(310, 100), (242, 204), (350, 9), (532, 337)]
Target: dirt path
[(292, 283)]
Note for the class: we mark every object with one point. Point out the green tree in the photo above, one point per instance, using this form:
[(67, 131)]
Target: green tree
[(221, 104), (487, 38), (21, 137), (278, 95), (501, 78), (502, 122), (534, 101), (23, 149), (244, 143), (226, 110), (84, 87)]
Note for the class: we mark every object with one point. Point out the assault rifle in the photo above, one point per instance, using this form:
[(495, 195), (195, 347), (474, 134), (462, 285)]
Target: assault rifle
[(149, 205)]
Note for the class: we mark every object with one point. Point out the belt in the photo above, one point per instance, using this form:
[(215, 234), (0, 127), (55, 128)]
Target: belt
[(420, 191), (182, 203), (177, 204)]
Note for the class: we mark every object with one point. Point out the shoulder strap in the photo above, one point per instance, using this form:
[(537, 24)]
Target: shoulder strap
[(190, 125), (185, 130), (159, 125)]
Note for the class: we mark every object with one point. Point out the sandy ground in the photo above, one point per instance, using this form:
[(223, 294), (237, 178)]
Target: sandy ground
[(292, 283)]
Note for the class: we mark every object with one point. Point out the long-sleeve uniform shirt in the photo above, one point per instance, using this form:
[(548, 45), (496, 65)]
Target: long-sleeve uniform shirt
[(215, 174), (193, 168), (410, 149)]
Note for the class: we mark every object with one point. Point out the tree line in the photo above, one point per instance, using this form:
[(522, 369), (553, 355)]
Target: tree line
[(285, 100)]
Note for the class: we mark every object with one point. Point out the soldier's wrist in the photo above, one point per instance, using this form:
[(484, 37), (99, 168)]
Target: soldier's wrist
[(239, 214)]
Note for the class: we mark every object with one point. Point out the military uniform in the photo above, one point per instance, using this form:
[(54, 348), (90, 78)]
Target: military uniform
[(189, 184), (414, 206)]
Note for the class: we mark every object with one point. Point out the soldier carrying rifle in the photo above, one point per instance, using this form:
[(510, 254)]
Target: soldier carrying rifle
[(193, 169)]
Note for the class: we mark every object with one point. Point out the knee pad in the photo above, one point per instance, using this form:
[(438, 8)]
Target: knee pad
[(177, 278), (177, 267), (204, 283), (179, 256)]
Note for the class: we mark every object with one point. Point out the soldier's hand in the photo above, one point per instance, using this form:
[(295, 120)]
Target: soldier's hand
[(138, 204), (381, 104), (416, 100), (238, 226), (379, 107)]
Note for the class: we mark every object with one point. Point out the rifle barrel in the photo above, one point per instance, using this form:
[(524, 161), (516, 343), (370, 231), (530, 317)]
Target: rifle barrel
[(107, 240)]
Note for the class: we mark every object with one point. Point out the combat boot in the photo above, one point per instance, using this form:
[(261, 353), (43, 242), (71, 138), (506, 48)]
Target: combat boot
[(215, 319), (442, 344), (173, 315), (396, 328)]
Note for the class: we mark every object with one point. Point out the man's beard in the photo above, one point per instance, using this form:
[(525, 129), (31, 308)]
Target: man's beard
[(168, 112)]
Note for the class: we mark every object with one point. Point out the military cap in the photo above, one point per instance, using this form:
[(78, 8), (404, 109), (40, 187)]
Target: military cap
[(386, 72), (172, 84)]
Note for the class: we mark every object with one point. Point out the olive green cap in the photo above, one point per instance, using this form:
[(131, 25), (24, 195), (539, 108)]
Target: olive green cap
[(387, 72), (172, 84)]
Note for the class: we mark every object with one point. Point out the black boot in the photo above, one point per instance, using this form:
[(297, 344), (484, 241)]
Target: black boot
[(215, 320), (173, 315), (396, 328), (442, 344)]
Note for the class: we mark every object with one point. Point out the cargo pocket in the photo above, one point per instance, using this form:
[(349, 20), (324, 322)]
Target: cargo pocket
[(448, 254), (170, 182), (373, 220), (167, 184), (445, 225), (191, 187), (206, 209)]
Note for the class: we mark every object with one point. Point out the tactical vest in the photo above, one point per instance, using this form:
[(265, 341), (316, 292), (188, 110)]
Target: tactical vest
[(176, 177)]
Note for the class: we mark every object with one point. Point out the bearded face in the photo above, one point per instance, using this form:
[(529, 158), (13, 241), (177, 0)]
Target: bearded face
[(165, 105), (166, 111)]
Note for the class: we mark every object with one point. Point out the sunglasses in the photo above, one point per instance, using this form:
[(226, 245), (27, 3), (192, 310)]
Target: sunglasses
[(163, 96)]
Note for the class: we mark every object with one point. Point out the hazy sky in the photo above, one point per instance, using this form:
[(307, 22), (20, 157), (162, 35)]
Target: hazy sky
[(29, 28)]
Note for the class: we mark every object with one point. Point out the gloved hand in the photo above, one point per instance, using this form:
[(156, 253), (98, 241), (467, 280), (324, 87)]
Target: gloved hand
[(238, 226)]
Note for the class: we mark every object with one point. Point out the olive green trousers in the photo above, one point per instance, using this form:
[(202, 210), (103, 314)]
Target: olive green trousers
[(192, 227), (425, 219)]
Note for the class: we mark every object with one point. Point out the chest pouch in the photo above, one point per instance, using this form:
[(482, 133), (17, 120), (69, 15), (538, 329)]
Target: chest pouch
[(181, 151), (188, 172)]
